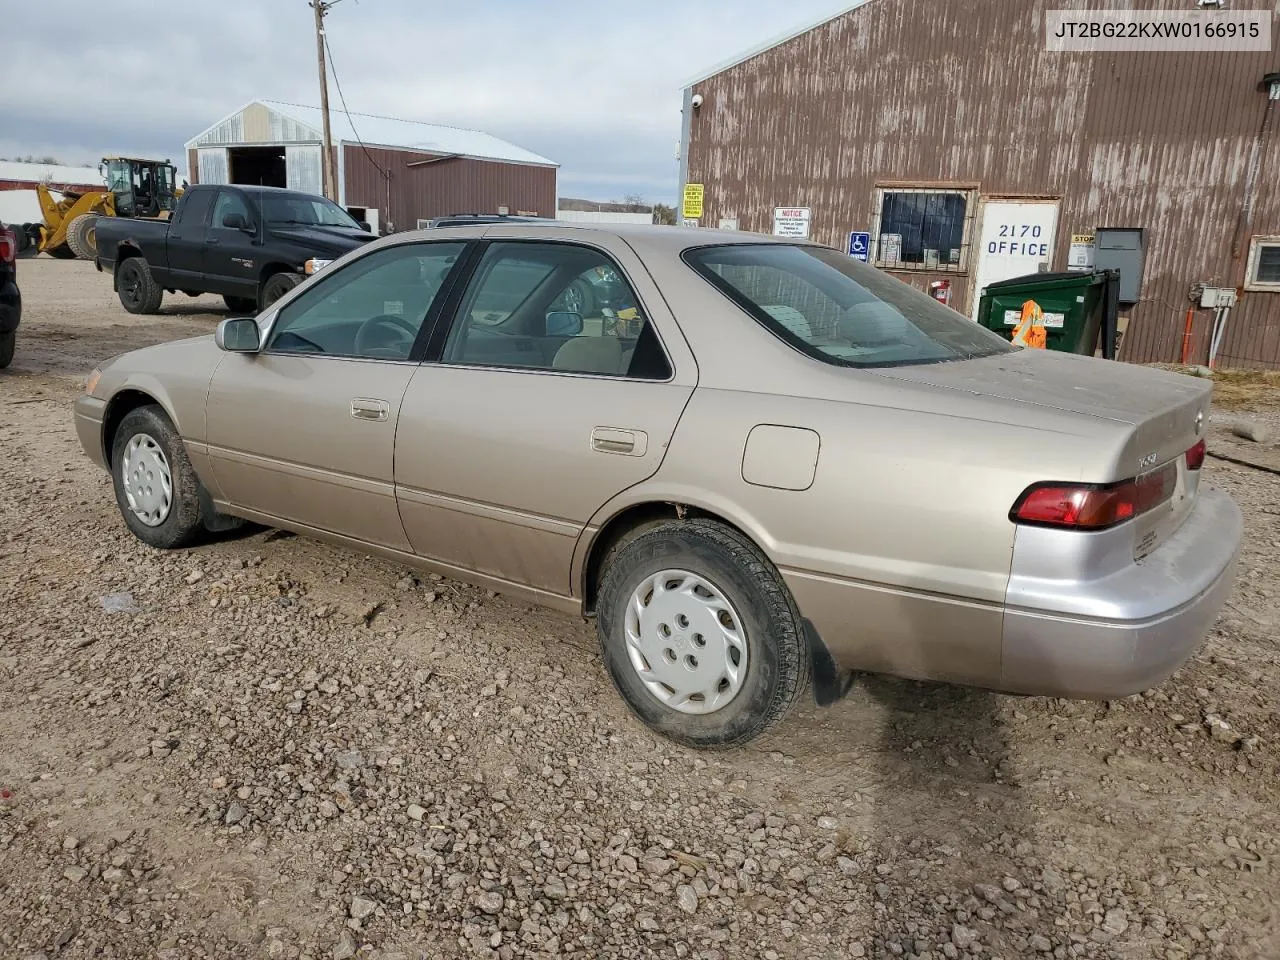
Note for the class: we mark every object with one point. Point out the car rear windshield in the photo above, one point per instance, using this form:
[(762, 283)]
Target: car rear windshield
[(838, 309)]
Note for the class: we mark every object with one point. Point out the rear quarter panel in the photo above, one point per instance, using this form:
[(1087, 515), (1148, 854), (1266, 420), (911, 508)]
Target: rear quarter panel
[(899, 551)]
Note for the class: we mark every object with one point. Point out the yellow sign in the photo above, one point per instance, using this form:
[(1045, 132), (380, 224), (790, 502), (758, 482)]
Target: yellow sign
[(1082, 238), (693, 194)]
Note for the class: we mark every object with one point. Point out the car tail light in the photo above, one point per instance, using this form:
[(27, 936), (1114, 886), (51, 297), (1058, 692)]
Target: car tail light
[(1094, 506), (8, 245), (1195, 456)]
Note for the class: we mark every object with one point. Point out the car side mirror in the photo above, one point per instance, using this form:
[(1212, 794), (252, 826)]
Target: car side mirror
[(364, 225), (238, 335), (237, 221), (563, 323)]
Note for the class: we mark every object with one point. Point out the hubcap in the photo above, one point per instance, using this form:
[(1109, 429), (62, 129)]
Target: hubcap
[(148, 484), (686, 642)]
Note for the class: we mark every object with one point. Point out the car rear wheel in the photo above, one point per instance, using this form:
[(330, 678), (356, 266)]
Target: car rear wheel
[(700, 634), (139, 292), (277, 286), (8, 343), (156, 487)]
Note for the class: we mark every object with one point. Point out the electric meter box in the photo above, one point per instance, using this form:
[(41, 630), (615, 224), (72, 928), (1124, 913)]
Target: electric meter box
[(1123, 249)]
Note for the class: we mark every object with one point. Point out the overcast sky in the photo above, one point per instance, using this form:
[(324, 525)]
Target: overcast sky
[(592, 84)]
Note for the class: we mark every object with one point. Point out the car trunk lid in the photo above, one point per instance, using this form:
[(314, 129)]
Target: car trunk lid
[(1166, 412)]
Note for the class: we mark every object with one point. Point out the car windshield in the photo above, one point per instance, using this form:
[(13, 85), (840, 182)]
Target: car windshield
[(841, 310), (299, 208)]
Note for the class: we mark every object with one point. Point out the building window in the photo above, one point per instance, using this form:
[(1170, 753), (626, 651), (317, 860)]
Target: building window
[(923, 229), (1264, 265)]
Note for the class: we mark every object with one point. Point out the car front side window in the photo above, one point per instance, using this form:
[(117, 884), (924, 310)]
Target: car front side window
[(556, 307), (373, 308)]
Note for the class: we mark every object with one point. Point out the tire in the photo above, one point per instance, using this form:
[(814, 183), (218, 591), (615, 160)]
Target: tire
[(240, 304), (144, 445), (277, 285), (761, 612), (82, 236), (138, 290), (62, 252), (8, 343)]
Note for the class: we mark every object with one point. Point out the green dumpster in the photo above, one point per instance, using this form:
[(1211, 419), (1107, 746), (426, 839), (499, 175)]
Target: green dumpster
[(1079, 308)]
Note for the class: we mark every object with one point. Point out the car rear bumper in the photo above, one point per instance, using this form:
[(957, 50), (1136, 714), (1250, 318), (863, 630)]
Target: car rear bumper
[(89, 412), (1122, 632)]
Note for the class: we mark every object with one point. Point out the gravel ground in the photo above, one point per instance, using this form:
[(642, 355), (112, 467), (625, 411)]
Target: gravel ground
[(272, 748)]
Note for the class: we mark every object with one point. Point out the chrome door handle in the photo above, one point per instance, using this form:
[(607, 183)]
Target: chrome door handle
[(627, 443), (363, 409)]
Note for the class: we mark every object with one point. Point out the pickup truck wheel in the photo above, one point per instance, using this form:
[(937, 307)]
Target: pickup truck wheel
[(8, 341), (241, 304), (139, 292), (277, 285), (156, 487), (700, 634)]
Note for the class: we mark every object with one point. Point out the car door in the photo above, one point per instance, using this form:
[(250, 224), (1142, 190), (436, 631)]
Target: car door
[(231, 256), (557, 385), (186, 236), (302, 432)]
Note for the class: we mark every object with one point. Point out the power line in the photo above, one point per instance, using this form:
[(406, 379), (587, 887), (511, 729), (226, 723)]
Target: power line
[(343, 100)]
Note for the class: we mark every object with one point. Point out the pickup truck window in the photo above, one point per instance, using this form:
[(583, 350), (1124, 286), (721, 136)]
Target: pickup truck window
[(372, 309), (230, 203), (297, 208)]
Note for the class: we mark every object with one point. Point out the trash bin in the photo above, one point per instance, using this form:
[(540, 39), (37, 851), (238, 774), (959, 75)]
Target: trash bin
[(1079, 309)]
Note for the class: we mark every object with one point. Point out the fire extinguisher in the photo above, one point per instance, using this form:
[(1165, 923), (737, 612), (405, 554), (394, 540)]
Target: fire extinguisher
[(940, 290)]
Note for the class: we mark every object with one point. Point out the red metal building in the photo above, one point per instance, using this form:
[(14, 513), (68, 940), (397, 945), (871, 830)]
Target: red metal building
[(392, 173), (968, 152)]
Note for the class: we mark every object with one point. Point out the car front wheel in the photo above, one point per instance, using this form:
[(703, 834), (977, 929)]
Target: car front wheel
[(156, 487), (700, 634)]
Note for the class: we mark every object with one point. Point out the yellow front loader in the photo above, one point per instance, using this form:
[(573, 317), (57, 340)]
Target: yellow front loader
[(134, 188)]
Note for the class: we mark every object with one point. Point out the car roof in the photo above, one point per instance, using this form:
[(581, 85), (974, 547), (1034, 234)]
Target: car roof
[(654, 237)]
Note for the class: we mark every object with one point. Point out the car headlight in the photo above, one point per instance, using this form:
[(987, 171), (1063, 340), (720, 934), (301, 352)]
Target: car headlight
[(315, 265), (91, 382)]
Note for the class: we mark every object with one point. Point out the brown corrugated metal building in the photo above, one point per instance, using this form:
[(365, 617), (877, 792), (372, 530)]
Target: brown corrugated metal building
[(968, 152), (392, 173)]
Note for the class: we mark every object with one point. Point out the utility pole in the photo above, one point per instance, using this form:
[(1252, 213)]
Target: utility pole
[(321, 7)]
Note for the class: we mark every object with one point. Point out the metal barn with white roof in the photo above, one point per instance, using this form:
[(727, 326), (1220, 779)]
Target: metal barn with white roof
[(392, 173)]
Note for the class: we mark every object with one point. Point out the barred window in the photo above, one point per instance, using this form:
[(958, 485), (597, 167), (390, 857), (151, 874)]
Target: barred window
[(926, 229)]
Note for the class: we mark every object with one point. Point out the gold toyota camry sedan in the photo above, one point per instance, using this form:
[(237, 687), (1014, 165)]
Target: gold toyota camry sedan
[(759, 465)]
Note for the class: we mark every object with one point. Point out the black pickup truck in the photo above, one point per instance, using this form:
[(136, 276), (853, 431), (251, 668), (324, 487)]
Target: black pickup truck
[(249, 244)]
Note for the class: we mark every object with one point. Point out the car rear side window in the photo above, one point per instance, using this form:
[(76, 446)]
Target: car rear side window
[(839, 310), (554, 306)]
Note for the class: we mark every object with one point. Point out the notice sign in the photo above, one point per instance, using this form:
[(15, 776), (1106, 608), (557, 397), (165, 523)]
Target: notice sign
[(791, 222), (692, 207), (890, 247), (1080, 257), (729, 223)]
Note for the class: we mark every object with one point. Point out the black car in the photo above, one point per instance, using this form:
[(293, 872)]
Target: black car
[(10, 298), (250, 244)]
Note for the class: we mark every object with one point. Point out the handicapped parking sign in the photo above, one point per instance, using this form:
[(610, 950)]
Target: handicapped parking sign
[(860, 246)]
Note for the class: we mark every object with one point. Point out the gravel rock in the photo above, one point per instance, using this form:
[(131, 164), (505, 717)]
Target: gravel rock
[(235, 814), (361, 908), (1253, 430), (1040, 943), (346, 946), (687, 898), (490, 903), (962, 937)]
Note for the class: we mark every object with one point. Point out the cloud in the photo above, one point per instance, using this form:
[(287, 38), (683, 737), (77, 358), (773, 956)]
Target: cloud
[(593, 85)]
